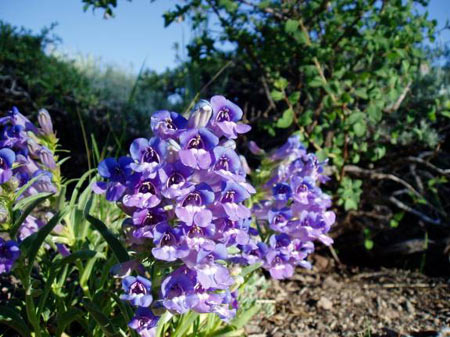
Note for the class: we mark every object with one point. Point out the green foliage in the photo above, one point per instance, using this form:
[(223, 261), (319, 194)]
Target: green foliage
[(349, 193)]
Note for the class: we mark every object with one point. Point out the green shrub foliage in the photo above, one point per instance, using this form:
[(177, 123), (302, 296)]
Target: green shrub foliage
[(355, 80)]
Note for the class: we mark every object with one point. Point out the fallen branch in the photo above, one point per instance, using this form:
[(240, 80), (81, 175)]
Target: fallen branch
[(403, 285), (444, 172), (380, 176), (411, 210)]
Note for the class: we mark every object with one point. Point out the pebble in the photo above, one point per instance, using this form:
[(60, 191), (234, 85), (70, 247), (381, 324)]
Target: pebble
[(325, 303)]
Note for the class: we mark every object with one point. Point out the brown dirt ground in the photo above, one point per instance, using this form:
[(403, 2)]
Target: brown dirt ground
[(340, 301)]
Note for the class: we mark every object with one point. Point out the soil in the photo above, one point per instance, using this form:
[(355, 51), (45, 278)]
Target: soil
[(335, 300)]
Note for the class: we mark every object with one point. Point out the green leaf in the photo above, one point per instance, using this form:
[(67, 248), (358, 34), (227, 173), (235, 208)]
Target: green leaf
[(26, 186), (40, 237), (277, 95), (249, 269), (286, 120), (66, 318), (28, 205), (294, 97), (185, 324), (445, 113), (102, 320), (291, 26), (368, 244), (375, 113), (12, 318), (281, 83), (57, 266), (78, 186), (119, 251), (300, 37), (244, 317), (350, 204), (361, 92), (316, 82), (264, 4), (359, 128)]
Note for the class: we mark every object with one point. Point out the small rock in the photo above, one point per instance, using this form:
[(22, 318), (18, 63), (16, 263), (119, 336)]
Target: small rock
[(410, 307), (359, 300), (325, 303), (330, 282)]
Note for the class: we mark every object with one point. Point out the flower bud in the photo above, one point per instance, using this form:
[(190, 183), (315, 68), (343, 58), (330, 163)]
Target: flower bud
[(45, 121), (47, 158), (172, 151), (229, 143), (255, 149), (244, 164), (34, 148), (200, 115)]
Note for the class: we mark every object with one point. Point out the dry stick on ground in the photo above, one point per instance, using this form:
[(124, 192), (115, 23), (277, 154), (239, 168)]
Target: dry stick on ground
[(376, 175), (444, 172), (411, 210), (380, 176)]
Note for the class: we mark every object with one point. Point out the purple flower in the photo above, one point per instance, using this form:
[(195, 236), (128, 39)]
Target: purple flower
[(207, 301), (225, 116), (303, 189), (143, 192), (279, 265), (192, 208), (174, 178), (213, 275), (177, 291), (63, 249), (166, 124), (227, 162), (9, 253), (169, 245), (231, 198), (148, 154), (282, 192), (117, 173), (137, 291), (29, 226), (231, 232), (148, 217), (115, 170), (14, 137), (7, 158), (278, 219), (16, 118), (313, 226), (293, 148), (200, 243), (144, 322), (43, 184), (197, 145)]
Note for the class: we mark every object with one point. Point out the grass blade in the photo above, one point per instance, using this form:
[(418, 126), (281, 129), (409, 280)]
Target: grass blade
[(119, 251), (14, 320)]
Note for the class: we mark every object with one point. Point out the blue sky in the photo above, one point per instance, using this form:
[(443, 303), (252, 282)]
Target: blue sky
[(136, 34)]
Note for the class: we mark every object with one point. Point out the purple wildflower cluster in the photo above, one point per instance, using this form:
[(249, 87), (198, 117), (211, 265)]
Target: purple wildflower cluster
[(294, 209), (24, 156), (184, 191)]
